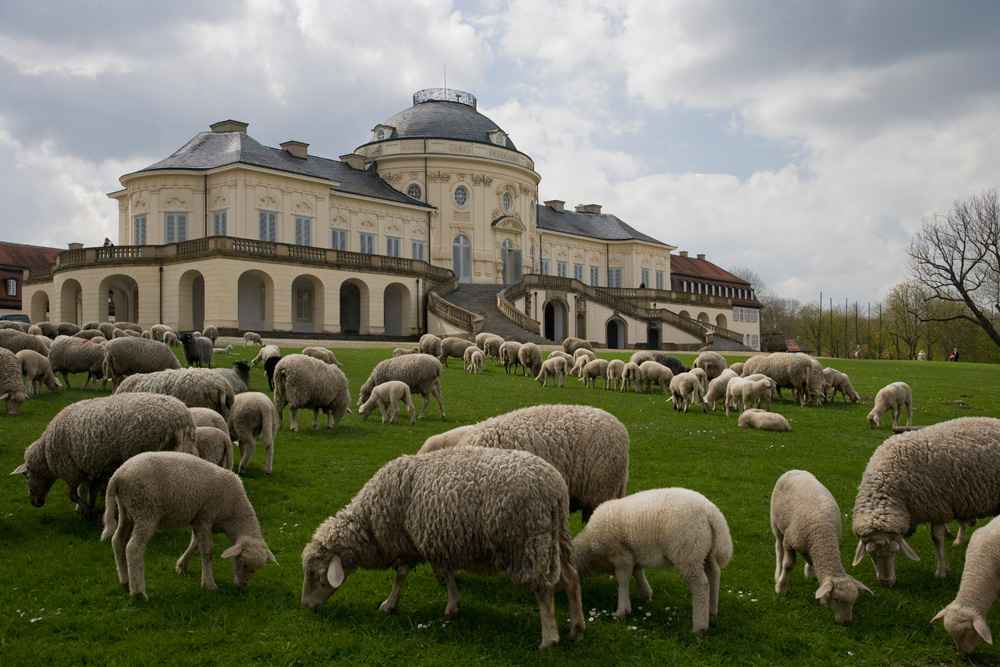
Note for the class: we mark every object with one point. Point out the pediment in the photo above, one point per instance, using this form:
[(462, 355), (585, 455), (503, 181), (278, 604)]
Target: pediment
[(509, 223)]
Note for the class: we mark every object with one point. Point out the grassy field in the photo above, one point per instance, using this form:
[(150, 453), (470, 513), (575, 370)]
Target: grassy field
[(60, 601)]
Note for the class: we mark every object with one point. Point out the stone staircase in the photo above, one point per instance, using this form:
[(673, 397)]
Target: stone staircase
[(482, 300)]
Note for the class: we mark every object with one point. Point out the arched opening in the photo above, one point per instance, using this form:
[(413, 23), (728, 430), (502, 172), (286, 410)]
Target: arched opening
[(397, 317), (615, 334), (119, 296), (721, 321), (653, 338), (581, 326), (191, 301), (555, 320), (39, 307), (703, 317), (354, 313), (255, 290), (511, 258), (307, 304), (461, 258), (70, 302), (685, 314)]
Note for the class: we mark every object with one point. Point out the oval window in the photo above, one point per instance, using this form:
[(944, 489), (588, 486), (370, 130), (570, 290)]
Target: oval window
[(461, 195), (506, 201)]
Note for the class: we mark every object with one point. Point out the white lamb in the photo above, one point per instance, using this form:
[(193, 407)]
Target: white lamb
[(658, 528), (717, 387), (556, 367), (685, 389), (763, 420), (632, 377), (253, 414), (36, 371), (598, 368), (653, 372), (251, 338), (614, 375), (266, 352), (474, 360), (743, 394), (892, 397), (386, 397), (835, 381)]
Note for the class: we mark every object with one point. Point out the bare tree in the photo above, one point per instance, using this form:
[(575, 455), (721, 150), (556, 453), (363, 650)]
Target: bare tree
[(957, 257), (777, 314)]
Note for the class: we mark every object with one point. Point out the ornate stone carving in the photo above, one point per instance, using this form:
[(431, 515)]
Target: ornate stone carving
[(267, 202), (525, 190), (496, 213), (392, 179), (438, 177), (482, 180), (462, 216), (175, 203), (220, 201), (303, 207), (140, 206), (581, 304)]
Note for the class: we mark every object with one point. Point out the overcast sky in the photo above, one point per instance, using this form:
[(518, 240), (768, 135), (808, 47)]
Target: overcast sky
[(804, 140)]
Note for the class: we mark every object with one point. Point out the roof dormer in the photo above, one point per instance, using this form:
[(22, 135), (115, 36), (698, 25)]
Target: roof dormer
[(498, 137), (382, 132)]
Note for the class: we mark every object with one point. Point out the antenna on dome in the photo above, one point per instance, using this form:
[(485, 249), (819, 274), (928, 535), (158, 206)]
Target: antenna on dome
[(445, 68)]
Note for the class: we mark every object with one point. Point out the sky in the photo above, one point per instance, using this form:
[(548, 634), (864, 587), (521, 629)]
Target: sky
[(806, 141)]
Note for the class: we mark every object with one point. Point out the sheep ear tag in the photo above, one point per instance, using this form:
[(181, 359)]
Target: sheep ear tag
[(21, 469), (979, 624), (234, 550), (335, 572)]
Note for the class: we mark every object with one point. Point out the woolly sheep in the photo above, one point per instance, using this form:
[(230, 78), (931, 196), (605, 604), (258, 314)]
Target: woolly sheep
[(430, 344), (835, 381), (35, 330), (49, 329), (509, 355), (400, 351), (36, 371), (613, 378), (763, 420), (197, 350), (420, 372), (658, 528), (512, 519), (761, 395), (238, 376), (170, 338), (702, 378), (652, 372), (305, 382), (210, 332), (77, 355), (786, 369), (453, 347), (474, 360), (712, 363), (685, 389), (559, 353), (321, 353), (571, 345), (252, 338), (673, 363), (11, 386), (589, 446), (892, 397), (641, 356), (530, 358), (746, 393), (253, 414), (935, 475), (386, 397), (158, 330), (631, 377), (223, 350), (717, 387), (579, 364), (46, 342), (817, 382), (169, 490), (87, 441), (4, 324), (491, 348), (88, 334), (208, 417), (266, 352), (16, 340), (584, 352), (556, 367), (805, 519), (214, 446), (195, 387), (127, 356), (598, 368), (483, 341), (130, 326), (737, 367)]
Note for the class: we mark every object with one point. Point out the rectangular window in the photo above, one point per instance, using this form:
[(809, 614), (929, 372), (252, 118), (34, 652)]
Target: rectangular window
[(645, 278), (417, 250), (139, 230), (544, 267), (659, 280), (219, 223), (268, 226), (595, 276), (303, 230), (392, 246), (339, 239), (175, 227), (11, 286), (303, 305), (614, 277), (367, 243), (561, 269), (578, 272)]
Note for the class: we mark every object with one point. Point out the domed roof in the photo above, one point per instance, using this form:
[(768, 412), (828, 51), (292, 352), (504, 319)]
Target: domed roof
[(443, 113)]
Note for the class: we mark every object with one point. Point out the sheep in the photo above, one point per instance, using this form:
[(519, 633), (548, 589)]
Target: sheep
[(266, 352), (639, 357), (589, 446), (658, 528), (168, 490), (509, 355), (46, 342), (571, 344), (579, 364), (717, 387), (512, 519), (835, 381), (223, 350), (652, 372), (685, 389), (631, 377), (170, 338), (305, 382), (35, 330), (210, 332), (430, 344), (556, 367), (208, 417), (745, 393), (702, 378), (214, 445), (934, 475), (197, 350), (559, 353), (400, 351), (386, 397), (78, 355), (11, 386), (759, 395), (453, 347), (805, 518), (673, 363), (737, 367), (88, 334), (713, 364), (965, 617), (158, 330), (792, 370), (49, 329), (130, 326), (321, 353), (530, 358), (491, 348), (253, 414), (238, 376), (195, 387), (892, 397), (269, 365), (87, 441), (584, 352), (252, 338), (598, 368), (91, 325), (421, 373), (36, 371), (486, 339), (763, 420), (817, 382), (66, 329), (474, 360), (613, 378), (127, 356), (16, 340)]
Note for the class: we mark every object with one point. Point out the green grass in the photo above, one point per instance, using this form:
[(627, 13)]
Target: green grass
[(60, 601)]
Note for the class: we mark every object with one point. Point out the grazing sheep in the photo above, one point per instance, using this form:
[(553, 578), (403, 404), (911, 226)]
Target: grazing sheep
[(87, 441), (712, 363), (673, 363), (702, 378), (835, 381), (420, 372), (223, 350), (11, 386), (589, 446), (170, 338), (746, 393), (717, 387), (641, 356), (4, 324), (321, 353), (584, 352), (509, 355), (763, 420), (430, 344), (614, 375), (791, 370), (400, 351), (935, 475), (169, 490), (238, 376), (556, 367), (66, 329), (253, 414), (88, 334), (47, 342), (758, 395), (130, 326), (571, 345), (559, 353), (266, 352), (579, 364), (35, 330), (474, 360), (737, 367), (195, 387), (512, 519), (78, 355), (127, 356), (530, 357), (658, 528), (197, 350), (805, 518), (211, 332), (269, 365), (631, 377), (653, 372), (214, 446), (306, 382), (16, 340), (892, 397), (157, 331), (36, 371), (491, 348), (251, 338), (208, 417), (817, 382), (387, 397), (453, 347), (598, 368), (686, 389)]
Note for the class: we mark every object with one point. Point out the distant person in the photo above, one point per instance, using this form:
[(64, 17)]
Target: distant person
[(857, 351), (954, 355), (107, 242), (921, 356), (642, 285)]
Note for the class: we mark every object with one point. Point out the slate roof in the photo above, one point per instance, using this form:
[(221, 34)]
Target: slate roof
[(210, 150), (17, 256), (703, 269), (601, 226), (438, 119)]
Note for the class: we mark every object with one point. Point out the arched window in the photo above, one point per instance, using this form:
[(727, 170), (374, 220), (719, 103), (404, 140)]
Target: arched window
[(461, 258), (414, 192), (506, 201)]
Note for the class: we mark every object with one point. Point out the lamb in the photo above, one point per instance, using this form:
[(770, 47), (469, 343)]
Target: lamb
[(805, 518), (77, 355), (34, 330), (400, 351), (935, 475), (168, 490), (208, 417), (745, 393), (579, 364), (763, 420), (170, 339), (641, 356), (512, 519), (737, 367), (253, 414), (965, 617), (36, 371), (559, 353), (195, 387), (835, 381), (892, 397), (420, 372), (387, 397), (614, 375), (127, 356), (197, 350), (430, 344), (598, 368), (509, 355), (11, 387), (757, 395), (673, 363), (571, 345), (158, 330), (238, 376), (266, 352), (786, 369), (474, 360), (717, 387), (684, 389), (16, 340), (223, 350), (453, 347), (321, 353), (530, 358), (713, 364), (491, 348), (658, 528), (632, 377), (87, 441), (210, 332), (214, 446), (556, 367), (652, 372), (584, 352), (305, 382), (702, 378), (252, 338), (589, 446)]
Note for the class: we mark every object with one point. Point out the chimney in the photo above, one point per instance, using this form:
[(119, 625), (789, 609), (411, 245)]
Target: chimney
[(76, 246), (556, 205), (701, 255), (588, 208), (683, 253), (354, 161), (229, 126), (296, 149)]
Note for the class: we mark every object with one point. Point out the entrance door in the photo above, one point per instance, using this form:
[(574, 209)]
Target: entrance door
[(461, 258)]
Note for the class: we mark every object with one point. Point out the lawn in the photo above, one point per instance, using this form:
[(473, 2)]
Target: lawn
[(60, 601)]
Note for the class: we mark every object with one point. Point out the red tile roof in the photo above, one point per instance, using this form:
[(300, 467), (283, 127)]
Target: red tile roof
[(15, 255), (689, 267)]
